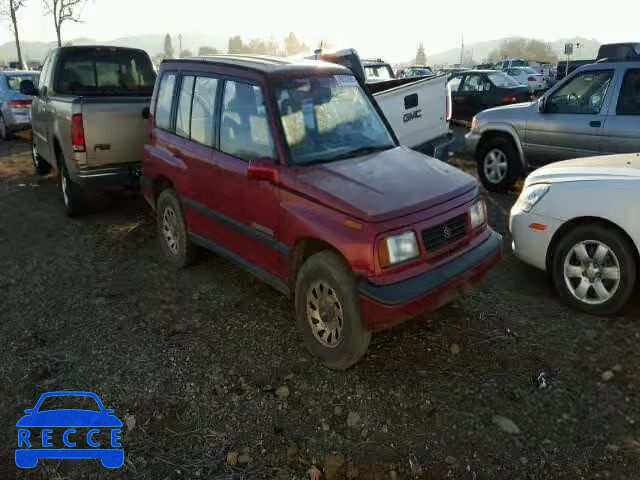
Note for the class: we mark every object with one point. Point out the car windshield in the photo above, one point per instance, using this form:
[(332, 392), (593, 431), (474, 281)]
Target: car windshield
[(105, 71), (377, 72), (518, 63), (327, 118), (500, 79), (530, 70), (65, 402), (14, 81)]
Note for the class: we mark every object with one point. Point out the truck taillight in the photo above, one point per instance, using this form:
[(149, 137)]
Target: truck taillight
[(531, 79), (509, 99), (19, 103), (77, 133)]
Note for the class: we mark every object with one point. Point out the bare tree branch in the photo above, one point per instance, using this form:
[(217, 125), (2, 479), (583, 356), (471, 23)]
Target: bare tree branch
[(9, 10), (63, 11)]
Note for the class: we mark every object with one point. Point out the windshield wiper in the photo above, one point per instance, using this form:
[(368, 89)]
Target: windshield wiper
[(357, 152)]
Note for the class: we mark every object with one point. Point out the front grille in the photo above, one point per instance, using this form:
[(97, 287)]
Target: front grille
[(446, 233)]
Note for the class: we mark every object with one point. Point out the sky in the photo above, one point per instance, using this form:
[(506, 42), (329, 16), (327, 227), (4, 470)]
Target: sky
[(392, 31)]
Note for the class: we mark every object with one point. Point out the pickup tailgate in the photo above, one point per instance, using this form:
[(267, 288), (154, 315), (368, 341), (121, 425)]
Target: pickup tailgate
[(114, 129), (415, 110)]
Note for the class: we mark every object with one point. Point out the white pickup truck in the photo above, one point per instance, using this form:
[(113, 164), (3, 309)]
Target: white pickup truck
[(417, 108)]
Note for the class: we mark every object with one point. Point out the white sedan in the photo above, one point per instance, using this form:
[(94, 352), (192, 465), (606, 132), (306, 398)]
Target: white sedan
[(528, 76), (578, 220)]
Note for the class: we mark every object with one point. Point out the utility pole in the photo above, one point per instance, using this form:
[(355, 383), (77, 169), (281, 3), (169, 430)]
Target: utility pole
[(462, 51), (179, 45)]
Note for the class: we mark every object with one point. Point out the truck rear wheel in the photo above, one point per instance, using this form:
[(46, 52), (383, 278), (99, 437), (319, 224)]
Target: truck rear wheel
[(173, 234), (328, 313), (73, 198), (498, 164), (39, 164)]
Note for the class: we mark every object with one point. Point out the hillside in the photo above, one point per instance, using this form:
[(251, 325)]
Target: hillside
[(481, 50)]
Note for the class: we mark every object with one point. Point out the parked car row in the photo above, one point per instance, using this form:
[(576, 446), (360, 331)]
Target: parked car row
[(306, 174)]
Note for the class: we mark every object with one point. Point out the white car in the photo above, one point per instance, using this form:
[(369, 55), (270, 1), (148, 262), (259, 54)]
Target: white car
[(528, 76), (578, 220)]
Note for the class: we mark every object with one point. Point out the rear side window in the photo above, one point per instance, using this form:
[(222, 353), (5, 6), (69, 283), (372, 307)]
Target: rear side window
[(203, 110), (629, 100), (454, 84), (104, 71), (165, 101), (183, 115), (14, 81), (244, 129)]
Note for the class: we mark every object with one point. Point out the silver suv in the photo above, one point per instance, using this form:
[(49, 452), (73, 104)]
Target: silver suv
[(594, 111)]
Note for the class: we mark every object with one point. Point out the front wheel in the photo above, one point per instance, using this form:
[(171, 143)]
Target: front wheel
[(328, 312), (39, 164), (498, 164), (175, 243), (594, 269)]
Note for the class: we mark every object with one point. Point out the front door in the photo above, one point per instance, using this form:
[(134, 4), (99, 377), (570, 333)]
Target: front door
[(571, 125), (621, 131), (244, 211), (39, 113)]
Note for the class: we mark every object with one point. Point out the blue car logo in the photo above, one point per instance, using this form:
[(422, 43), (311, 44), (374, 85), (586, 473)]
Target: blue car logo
[(35, 433)]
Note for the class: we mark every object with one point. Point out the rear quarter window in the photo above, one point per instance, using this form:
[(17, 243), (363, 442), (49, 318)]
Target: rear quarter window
[(164, 101)]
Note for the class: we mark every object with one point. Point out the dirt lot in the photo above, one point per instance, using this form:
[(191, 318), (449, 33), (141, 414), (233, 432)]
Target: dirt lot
[(193, 361)]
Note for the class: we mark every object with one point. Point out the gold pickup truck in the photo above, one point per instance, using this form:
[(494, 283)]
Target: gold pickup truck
[(88, 118)]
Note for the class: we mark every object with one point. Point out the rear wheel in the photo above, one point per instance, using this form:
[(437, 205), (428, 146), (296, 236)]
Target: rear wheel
[(39, 164), (498, 164), (328, 312), (5, 133), (173, 234), (73, 197), (594, 269)]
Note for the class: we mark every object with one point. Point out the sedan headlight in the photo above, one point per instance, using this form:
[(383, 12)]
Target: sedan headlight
[(530, 196), (478, 214), (398, 249), (474, 123)]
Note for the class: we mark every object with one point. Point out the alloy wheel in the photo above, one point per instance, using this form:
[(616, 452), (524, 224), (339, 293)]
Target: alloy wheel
[(495, 165), (170, 229), (325, 314), (592, 272)]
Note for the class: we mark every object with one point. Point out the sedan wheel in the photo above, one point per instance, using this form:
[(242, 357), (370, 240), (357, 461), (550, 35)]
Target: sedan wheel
[(324, 314), (592, 272)]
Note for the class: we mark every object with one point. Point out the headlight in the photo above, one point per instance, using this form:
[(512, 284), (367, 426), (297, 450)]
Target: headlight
[(532, 195), (478, 214), (398, 249), (474, 123)]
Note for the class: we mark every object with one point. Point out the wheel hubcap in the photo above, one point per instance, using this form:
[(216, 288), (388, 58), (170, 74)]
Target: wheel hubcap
[(170, 229), (495, 165), (34, 154), (324, 314), (65, 188), (592, 272)]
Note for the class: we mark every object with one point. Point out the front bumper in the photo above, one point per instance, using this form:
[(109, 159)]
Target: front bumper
[(531, 245), (388, 305), (126, 175), (471, 141)]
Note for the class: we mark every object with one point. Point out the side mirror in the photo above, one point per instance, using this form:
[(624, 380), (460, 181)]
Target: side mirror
[(27, 87), (542, 105), (109, 411), (146, 113), (29, 411), (263, 169)]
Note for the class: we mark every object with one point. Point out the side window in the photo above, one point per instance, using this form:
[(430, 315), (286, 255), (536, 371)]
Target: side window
[(165, 101), (244, 129), (44, 75), (629, 100), (473, 83), (183, 113), (203, 110), (584, 94), (454, 84)]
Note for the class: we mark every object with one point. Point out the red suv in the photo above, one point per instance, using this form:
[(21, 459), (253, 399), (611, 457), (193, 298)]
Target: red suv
[(291, 170)]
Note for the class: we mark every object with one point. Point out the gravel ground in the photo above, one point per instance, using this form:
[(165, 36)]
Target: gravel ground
[(208, 371)]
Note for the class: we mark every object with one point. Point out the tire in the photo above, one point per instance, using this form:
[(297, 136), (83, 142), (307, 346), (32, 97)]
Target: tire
[(622, 256), (5, 133), (325, 276), (73, 197), (173, 234), (39, 164), (502, 174)]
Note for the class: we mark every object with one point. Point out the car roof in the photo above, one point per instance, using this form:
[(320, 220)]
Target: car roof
[(261, 63), (19, 72)]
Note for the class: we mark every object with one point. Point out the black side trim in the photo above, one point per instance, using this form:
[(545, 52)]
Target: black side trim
[(230, 222), (428, 282), (250, 267)]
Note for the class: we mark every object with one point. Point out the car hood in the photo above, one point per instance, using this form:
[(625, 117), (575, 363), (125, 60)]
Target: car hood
[(512, 108), (606, 167), (69, 418), (384, 185)]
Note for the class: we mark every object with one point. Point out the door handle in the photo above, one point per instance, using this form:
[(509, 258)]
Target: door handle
[(595, 124)]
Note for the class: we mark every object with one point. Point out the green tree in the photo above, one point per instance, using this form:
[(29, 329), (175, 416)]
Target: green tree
[(236, 45), (527, 49), (168, 46), (186, 54), (421, 56), (208, 51), (292, 45)]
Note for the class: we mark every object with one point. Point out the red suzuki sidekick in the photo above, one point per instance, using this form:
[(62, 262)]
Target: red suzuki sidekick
[(291, 170)]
